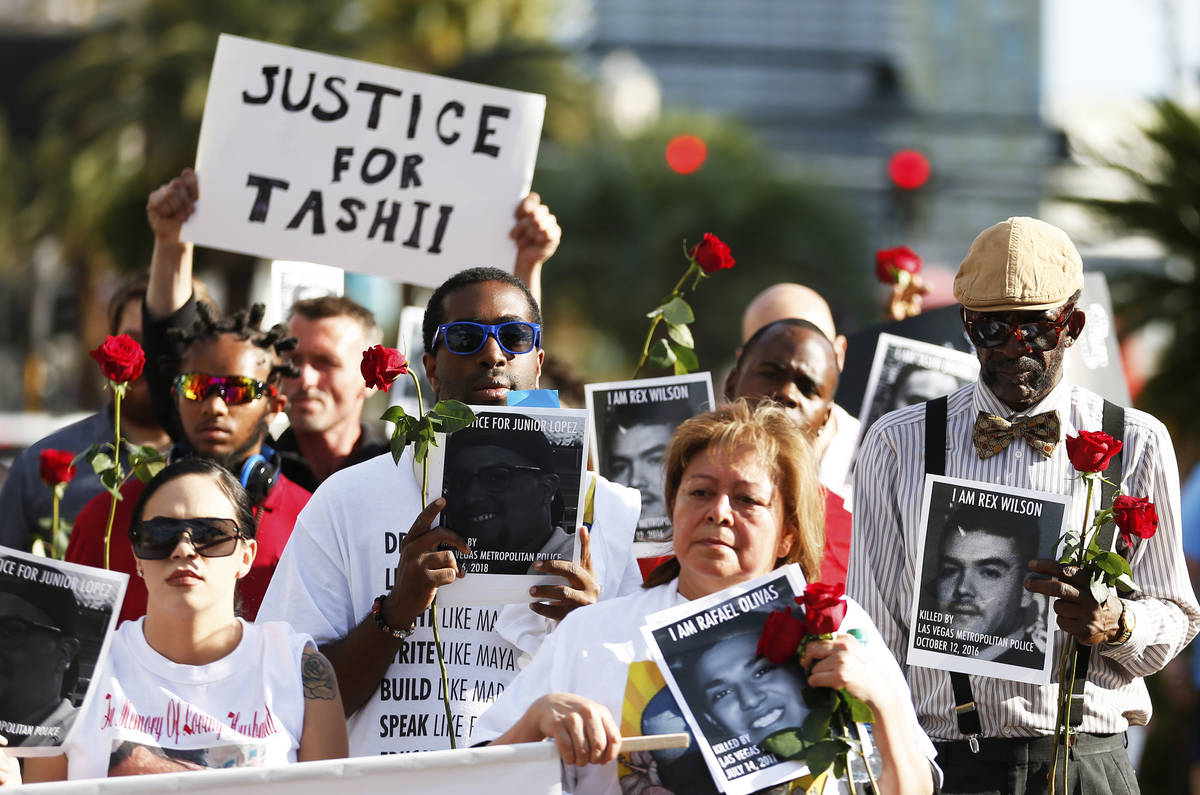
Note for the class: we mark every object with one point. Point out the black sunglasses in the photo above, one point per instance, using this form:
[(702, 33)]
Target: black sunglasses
[(14, 631), (1040, 335), (156, 539), (465, 337), (494, 479)]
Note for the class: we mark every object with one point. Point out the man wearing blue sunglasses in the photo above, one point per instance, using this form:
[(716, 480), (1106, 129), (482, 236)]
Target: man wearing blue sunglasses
[(368, 612)]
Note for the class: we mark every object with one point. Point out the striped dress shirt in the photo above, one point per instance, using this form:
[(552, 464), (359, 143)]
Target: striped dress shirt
[(888, 486)]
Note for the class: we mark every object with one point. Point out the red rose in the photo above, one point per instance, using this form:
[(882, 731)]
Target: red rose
[(824, 608), (889, 262), (1135, 516), (1091, 451), (382, 366), (780, 636), (120, 358), (711, 254), (55, 466)]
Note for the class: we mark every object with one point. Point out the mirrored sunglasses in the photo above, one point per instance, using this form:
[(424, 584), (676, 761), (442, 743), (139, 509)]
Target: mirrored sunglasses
[(156, 539), (233, 389), (1041, 335), (464, 337)]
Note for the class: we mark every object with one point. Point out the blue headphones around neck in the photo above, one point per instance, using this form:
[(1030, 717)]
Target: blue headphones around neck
[(259, 473)]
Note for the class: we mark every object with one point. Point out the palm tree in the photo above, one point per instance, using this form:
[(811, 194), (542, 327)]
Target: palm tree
[(1166, 207)]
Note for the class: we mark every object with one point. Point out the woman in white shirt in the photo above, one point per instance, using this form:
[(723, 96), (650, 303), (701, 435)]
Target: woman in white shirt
[(742, 492), (190, 685)]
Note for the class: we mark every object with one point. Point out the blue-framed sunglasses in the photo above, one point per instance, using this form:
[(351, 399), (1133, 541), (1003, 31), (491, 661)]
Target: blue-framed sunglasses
[(464, 337)]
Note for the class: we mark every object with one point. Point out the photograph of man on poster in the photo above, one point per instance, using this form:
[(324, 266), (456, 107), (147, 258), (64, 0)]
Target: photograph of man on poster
[(635, 441), (38, 667), (731, 697), (743, 696), (634, 421), (974, 574), (916, 384), (906, 371), (503, 495)]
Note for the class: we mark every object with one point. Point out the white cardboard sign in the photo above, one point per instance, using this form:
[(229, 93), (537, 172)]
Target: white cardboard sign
[(527, 769), (313, 157)]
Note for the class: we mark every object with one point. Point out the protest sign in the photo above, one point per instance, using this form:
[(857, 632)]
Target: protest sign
[(306, 156), (298, 281), (527, 769), (706, 650), (970, 611), (633, 422), (56, 619), (513, 482), (906, 371)]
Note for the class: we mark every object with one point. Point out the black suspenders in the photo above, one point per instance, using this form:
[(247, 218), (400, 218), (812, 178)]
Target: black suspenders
[(1113, 423)]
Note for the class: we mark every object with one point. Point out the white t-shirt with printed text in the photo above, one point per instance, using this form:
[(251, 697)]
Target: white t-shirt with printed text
[(149, 714), (343, 553)]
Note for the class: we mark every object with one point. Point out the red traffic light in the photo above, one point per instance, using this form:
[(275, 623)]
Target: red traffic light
[(686, 153), (908, 169)]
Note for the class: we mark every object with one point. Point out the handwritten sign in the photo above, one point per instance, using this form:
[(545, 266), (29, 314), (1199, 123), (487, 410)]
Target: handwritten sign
[(312, 157)]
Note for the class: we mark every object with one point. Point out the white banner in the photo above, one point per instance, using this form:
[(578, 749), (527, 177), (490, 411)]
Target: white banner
[(312, 157), (530, 769)]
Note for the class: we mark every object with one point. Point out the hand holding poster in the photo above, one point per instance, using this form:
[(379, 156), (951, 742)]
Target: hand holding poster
[(55, 622), (634, 421), (513, 483), (313, 157), (707, 651), (971, 612)]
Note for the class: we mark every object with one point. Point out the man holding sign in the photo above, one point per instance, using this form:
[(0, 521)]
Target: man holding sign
[(1018, 287), (340, 581), (313, 157)]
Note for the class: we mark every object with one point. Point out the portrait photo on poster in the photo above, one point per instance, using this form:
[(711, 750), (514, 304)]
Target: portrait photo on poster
[(730, 697), (55, 622), (514, 483), (634, 421), (971, 612), (906, 371)]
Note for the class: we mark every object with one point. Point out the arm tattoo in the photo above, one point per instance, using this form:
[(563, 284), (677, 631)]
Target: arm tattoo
[(319, 681)]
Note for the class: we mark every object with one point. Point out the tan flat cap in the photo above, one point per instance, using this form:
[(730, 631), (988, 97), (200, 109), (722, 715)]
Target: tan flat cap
[(1019, 264)]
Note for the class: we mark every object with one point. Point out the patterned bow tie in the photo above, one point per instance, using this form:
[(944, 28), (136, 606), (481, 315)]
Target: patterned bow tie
[(993, 434)]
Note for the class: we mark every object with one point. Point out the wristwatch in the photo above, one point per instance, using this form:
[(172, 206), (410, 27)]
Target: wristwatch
[(381, 622), (1125, 624)]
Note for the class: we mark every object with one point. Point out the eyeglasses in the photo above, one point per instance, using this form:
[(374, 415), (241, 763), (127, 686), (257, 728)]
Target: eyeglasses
[(494, 479), (14, 631), (464, 337), (1041, 335), (156, 539), (233, 389)]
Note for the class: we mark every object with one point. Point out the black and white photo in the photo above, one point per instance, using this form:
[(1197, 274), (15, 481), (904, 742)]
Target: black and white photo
[(55, 620), (906, 371), (513, 483), (971, 612), (634, 420), (732, 698)]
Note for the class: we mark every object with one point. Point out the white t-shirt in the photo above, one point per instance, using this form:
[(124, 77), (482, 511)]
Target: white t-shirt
[(152, 715), (598, 652), (839, 455), (343, 553)]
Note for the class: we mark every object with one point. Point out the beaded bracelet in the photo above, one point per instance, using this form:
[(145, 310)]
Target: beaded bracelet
[(377, 612)]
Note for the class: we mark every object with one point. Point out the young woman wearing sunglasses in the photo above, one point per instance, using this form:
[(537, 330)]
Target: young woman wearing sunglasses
[(191, 686)]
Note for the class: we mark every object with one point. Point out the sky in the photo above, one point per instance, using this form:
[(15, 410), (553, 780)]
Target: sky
[(1106, 50)]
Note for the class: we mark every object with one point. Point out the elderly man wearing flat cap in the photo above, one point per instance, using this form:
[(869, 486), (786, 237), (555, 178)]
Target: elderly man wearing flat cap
[(1019, 286)]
